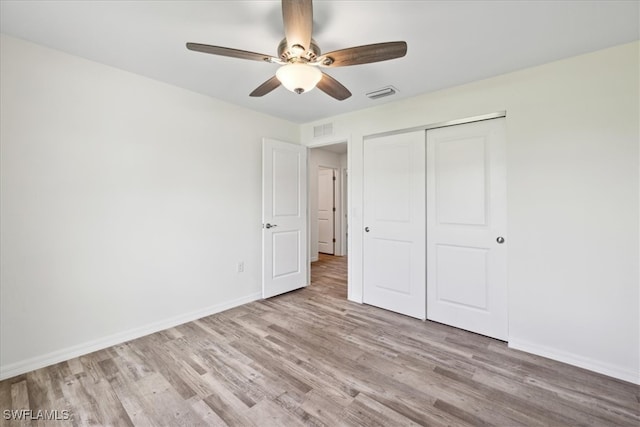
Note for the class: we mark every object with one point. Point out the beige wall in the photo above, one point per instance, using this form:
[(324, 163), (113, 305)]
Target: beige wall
[(573, 194)]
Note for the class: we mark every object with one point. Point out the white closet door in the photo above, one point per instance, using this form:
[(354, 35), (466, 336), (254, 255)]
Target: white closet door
[(466, 223), (394, 217)]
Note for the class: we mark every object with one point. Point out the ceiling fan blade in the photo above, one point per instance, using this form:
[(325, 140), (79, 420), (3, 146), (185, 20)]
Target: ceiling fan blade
[(266, 87), (333, 88), (297, 16), (363, 54), (233, 53)]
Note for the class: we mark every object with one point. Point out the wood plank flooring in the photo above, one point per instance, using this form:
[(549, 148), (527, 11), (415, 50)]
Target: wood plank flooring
[(310, 357)]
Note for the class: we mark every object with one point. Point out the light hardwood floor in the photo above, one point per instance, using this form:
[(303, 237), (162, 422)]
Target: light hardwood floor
[(310, 357)]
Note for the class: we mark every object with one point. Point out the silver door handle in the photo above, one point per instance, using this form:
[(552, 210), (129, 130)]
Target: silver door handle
[(367, 229), (500, 240), (270, 225)]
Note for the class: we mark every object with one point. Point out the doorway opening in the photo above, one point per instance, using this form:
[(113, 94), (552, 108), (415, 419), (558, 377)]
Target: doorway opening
[(328, 217)]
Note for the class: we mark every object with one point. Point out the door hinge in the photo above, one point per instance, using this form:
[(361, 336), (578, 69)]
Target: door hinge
[(334, 209), (334, 240)]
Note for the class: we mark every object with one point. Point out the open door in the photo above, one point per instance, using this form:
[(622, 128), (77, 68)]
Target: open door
[(284, 217), (326, 211)]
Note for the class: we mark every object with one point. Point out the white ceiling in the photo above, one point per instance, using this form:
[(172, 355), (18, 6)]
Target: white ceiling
[(450, 42)]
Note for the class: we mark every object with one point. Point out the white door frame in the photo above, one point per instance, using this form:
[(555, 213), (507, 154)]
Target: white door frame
[(344, 209), (320, 144)]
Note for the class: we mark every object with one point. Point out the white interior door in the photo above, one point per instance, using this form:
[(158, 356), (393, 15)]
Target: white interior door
[(284, 217), (326, 210), (466, 220), (394, 219)]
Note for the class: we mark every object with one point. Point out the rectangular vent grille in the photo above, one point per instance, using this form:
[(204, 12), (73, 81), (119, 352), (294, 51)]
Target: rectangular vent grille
[(323, 130), (381, 93)]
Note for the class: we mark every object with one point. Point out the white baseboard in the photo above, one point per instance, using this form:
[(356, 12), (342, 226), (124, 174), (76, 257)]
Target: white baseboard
[(315, 258), (582, 362), (61, 355)]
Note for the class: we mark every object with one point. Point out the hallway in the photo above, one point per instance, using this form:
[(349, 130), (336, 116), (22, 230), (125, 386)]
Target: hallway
[(329, 275)]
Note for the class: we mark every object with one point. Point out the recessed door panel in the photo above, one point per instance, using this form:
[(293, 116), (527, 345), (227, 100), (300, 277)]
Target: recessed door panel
[(286, 251), (394, 260), (391, 201), (466, 287), (461, 170), (286, 183)]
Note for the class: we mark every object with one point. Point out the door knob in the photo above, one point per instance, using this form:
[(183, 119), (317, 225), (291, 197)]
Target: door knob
[(500, 240), (366, 229), (270, 225)]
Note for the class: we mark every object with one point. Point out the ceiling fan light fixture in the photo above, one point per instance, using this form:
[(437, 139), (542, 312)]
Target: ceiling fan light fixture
[(298, 77)]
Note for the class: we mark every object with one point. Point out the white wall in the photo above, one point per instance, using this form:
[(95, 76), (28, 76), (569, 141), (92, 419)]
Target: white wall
[(126, 205), (573, 196), (319, 158)]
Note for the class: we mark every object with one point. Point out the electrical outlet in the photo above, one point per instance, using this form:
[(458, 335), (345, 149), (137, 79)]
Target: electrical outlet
[(241, 267)]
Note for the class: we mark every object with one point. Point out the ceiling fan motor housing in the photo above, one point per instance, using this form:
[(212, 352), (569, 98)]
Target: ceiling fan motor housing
[(303, 55)]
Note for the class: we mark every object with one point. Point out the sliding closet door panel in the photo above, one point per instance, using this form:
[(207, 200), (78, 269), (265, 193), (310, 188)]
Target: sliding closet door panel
[(394, 218), (466, 226)]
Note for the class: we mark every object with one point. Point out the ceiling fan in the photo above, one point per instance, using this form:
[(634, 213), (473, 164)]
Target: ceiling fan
[(300, 57)]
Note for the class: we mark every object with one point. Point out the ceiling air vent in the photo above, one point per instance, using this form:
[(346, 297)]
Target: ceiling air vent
[(381, 93), (322, 130)]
